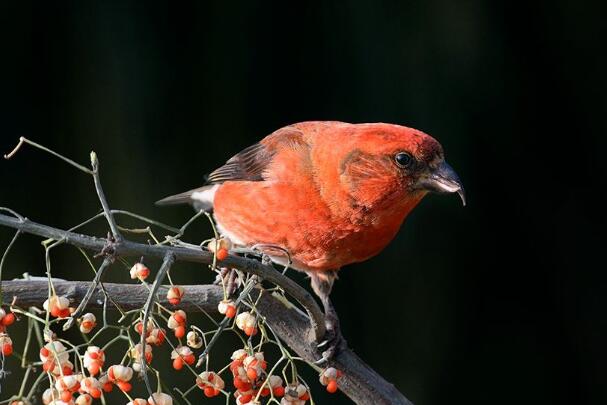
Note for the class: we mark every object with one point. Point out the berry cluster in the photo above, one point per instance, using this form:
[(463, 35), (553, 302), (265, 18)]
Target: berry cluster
[(181, 355), (177, 322), (249, 372), (328, 378), (227, 308), (210, 383), (6, 344), (295, 394), (247, 322), (82, 385), (139, 271), (58, 306), (220, 247)]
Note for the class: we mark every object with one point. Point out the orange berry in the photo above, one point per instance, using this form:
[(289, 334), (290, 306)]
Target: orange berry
[(67, 371), (245, 398), (250, 331), (8, 319), (95, 393), (55, 311), (108, 387), (252, 374), (124, 386), (160, 337), (231, 312), (265, 392), (305, 396), (66, 396), (7, 349), (178, 363), (179, 318), (222, 254), (94, 368), (279, 391), (44, 352), (242, 385), (332, 387), (209, 391), (180, 332)]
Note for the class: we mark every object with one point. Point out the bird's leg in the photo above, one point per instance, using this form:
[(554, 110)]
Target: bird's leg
[(322, 283), (222, 275), (229, 279)]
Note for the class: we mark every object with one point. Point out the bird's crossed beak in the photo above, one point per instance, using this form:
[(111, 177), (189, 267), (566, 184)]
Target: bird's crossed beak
[(443, 179)]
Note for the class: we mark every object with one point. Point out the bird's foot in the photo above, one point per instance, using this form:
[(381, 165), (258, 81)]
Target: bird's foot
[(333, 340)]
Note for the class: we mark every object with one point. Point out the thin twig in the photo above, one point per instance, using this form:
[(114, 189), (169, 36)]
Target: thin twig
[(245, 292), (23, 140), (167, 262), (106, 208), (87, 297), (10, 245)]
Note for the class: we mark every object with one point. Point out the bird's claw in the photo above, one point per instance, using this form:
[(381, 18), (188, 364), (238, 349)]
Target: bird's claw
[(328, 354), (323, 343), (333, 342), (323, 360)]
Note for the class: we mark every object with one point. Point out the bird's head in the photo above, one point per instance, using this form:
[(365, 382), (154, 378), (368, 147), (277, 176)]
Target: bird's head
[(394, 166)]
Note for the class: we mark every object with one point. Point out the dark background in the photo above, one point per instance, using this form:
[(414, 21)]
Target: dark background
[(500, 302)]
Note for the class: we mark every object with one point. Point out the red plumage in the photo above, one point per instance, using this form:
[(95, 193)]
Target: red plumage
[(329, 193)]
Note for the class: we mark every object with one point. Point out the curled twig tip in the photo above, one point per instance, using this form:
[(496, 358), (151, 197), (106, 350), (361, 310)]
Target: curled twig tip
[(16, 149)]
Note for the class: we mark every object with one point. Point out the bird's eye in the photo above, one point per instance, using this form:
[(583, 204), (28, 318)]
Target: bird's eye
[(403, 159)]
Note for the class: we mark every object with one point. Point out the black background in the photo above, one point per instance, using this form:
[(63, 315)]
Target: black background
[(500, 302)]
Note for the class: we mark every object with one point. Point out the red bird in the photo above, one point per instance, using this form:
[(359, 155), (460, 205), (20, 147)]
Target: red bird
[(328, 193)]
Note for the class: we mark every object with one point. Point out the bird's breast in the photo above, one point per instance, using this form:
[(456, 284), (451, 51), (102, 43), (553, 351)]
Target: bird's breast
[(298, 220)]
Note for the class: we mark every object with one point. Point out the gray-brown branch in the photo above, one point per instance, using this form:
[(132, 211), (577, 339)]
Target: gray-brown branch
[(361, 383), (127, 248)]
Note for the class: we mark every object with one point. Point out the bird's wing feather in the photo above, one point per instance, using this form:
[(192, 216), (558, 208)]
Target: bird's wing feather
[(250, 163), (247, 165)]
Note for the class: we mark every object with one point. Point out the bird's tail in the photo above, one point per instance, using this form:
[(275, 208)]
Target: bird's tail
[(201, 198)]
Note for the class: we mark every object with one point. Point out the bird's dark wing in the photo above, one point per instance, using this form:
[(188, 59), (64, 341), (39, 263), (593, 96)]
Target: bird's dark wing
[(247, 165), (250, 163)]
